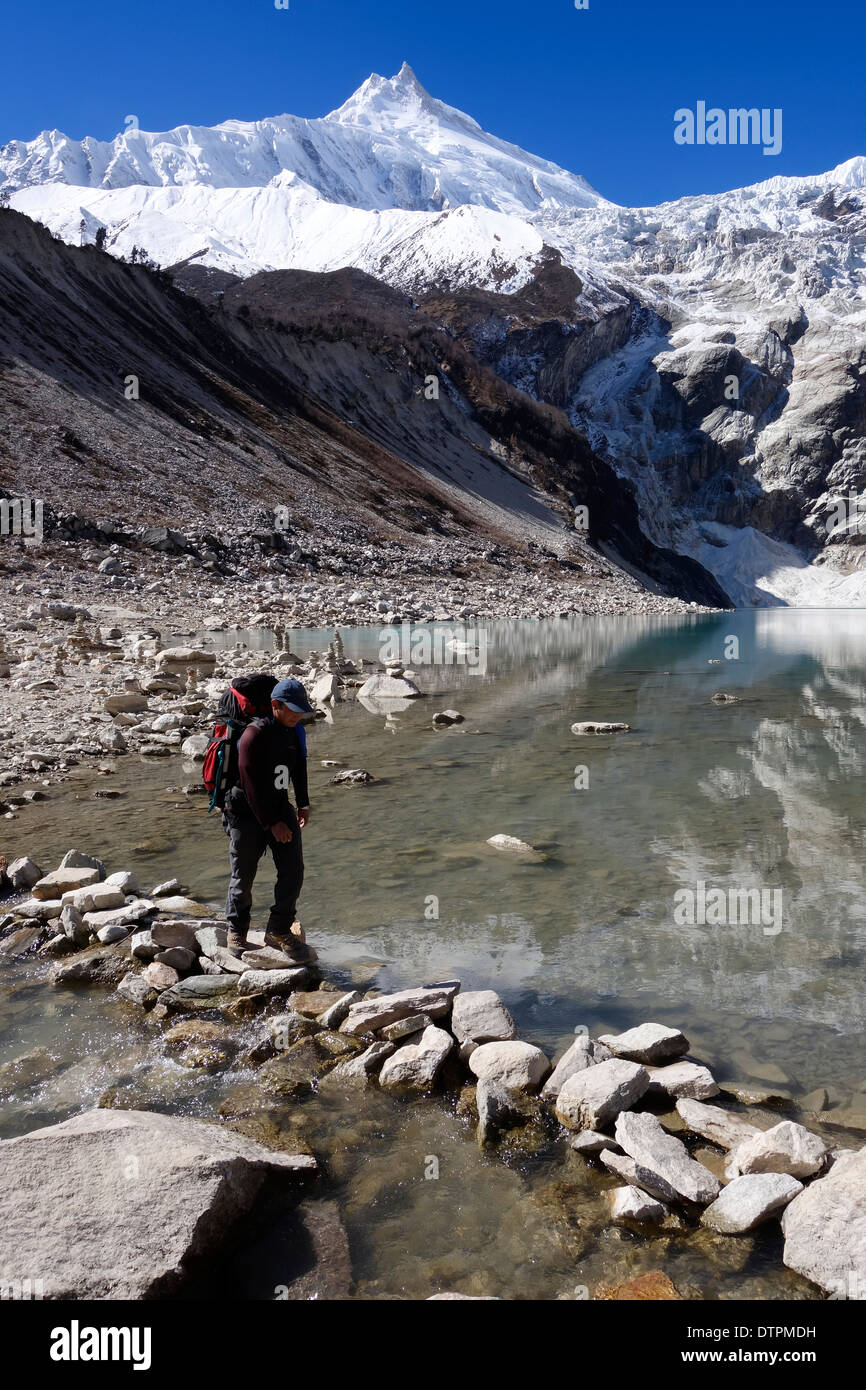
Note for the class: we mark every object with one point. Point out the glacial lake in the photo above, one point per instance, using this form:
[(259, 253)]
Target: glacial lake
[(765, 792)]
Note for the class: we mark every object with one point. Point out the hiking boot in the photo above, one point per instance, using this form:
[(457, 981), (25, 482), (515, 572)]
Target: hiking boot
[(236, 942), (297, 951)]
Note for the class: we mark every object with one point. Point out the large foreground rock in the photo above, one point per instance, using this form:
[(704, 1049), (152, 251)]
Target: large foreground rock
[(117, 1204), (749, 1200), (825, 1229), (592, 1099), (665, 1159)]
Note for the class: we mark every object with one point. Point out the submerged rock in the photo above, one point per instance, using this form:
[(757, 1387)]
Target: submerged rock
[(654, 1286), (289, 1027), (500, 1108), (27, 1070), (297, 1070)]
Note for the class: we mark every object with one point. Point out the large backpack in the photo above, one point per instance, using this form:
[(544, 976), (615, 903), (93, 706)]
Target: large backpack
[(248, 699)]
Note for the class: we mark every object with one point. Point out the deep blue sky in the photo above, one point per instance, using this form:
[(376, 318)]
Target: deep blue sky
[(593, 90)]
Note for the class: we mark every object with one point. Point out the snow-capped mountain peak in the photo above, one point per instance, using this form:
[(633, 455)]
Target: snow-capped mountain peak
[(390, 146), (381, 100)]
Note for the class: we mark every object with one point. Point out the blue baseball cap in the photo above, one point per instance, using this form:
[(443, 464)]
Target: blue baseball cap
[(293, 695)]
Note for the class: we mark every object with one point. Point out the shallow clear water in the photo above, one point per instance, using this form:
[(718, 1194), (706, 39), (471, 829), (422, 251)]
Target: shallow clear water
[(764, 793)]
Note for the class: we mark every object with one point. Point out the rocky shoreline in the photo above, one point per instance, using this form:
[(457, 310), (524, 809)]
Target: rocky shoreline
[(686, 1153), (81, 640)]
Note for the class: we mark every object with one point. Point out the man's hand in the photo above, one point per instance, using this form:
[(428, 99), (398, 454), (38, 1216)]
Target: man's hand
[(304, 814), (281, 833)]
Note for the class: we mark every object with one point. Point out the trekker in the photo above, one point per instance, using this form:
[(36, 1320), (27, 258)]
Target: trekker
[(258, 815)]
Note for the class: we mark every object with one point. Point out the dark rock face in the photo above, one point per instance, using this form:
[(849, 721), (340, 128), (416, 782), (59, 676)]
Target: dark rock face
[(313, 387)]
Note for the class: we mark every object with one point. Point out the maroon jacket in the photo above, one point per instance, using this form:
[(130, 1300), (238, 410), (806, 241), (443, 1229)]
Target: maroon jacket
[(267, 748)]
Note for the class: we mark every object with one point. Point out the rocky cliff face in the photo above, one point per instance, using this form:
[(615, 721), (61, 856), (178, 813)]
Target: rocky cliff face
[(131, 403)]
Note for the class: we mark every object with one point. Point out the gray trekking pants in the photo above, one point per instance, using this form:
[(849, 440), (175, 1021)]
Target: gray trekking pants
[(247, 843)]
